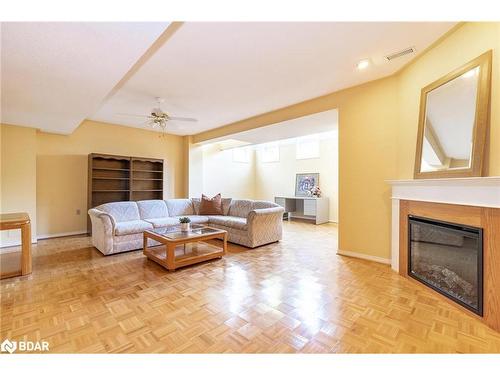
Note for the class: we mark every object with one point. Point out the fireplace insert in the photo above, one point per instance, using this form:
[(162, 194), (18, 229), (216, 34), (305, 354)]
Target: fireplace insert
[(448, 258)]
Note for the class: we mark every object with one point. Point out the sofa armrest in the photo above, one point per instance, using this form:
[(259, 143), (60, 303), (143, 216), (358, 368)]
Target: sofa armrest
[(94, 212), (276, 211), (103, 228), (265, 225)]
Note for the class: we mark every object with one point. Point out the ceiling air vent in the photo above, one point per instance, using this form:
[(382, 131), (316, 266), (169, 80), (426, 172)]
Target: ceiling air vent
[(402, 53)]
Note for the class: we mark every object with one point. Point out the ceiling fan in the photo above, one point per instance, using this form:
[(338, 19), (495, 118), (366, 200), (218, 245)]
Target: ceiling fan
[(158, 118)]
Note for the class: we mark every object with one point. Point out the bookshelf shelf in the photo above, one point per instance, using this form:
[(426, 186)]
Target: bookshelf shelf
[(147, 170), (110, 178), (113, 169), (108, 191)]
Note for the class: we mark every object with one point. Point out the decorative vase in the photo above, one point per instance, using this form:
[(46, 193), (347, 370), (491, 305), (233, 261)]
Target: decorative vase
[(185, 227)]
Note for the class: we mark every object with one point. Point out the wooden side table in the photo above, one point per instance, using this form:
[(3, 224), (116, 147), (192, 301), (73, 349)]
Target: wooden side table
[(19, 220)]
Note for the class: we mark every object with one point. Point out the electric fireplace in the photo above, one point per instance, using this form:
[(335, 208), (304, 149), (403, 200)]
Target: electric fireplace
[(448, 258)]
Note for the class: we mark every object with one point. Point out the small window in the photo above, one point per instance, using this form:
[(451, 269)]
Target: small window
[(307, 149), (241, 155), (270, 154)]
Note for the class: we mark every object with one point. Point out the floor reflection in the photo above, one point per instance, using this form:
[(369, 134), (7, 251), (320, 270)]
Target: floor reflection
[(238, 288), (273, 293), (308, 303)]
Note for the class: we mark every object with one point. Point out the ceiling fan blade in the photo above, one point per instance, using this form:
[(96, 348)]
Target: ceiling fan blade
[(130, 115), (175, 118)]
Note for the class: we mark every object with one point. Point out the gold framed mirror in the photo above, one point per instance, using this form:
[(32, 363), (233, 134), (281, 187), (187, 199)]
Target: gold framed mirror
[(453, 123)]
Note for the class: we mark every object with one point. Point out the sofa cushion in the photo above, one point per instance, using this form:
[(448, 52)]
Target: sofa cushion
[(180, 207), (226, 202), (163, 221), (211, 206), (152, 209), (121, 211), (131, 227), (229, 221), (240, 207)]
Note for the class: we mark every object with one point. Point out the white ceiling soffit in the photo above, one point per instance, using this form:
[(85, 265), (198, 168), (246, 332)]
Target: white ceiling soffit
[(54, 75), (321, 122), (224, 72)]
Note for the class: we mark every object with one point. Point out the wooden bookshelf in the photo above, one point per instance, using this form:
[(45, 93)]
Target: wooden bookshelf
[(114, 178)]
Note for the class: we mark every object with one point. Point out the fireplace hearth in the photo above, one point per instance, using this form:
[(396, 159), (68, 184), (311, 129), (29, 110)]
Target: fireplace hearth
[(448, 258)]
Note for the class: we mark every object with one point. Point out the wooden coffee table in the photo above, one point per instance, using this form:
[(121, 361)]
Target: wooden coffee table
[(179, 249)]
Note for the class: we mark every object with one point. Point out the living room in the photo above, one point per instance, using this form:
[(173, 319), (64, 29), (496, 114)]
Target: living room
[(166, 188)]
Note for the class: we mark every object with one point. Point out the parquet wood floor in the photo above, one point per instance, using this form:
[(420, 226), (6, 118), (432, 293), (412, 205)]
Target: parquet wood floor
[(288, 297)]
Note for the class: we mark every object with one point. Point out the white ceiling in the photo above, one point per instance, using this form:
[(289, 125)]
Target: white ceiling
[(303, 126), (224, 72), (54, 75)]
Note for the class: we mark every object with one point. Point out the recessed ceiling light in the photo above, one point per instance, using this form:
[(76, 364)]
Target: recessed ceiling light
[(363, 64)]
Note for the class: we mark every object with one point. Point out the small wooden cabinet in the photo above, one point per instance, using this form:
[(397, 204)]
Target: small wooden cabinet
[(114, 178)]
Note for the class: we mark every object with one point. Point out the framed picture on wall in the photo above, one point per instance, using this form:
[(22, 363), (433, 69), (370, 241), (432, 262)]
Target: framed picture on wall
[(304, 182)]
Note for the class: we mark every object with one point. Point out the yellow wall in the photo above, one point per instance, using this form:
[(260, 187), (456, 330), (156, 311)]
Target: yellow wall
[(18, 176), (463, 45), (62, 169), (377, 133)]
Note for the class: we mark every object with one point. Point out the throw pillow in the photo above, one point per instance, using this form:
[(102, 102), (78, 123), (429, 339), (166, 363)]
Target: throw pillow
[(211, 206)]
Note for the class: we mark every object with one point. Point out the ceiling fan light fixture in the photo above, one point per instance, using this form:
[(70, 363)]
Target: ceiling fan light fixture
[(157, 118)]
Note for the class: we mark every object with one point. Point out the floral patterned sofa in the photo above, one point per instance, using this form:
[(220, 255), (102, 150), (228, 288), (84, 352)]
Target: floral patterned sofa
[(118, 226)]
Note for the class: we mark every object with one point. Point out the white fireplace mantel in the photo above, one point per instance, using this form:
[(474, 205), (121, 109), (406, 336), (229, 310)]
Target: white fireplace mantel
[(470, 191)]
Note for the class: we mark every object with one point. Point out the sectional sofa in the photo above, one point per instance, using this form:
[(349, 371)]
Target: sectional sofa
[(118, 226)]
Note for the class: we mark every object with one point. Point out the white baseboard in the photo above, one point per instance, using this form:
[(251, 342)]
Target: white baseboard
[(13, 242), (65, 234), (364, 256), (4, 245), (333, 221)]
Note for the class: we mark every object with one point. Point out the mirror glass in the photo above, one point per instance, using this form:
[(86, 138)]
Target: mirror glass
[(450, 111)]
